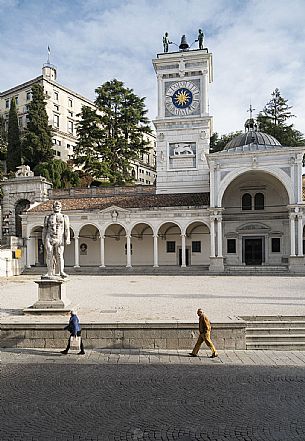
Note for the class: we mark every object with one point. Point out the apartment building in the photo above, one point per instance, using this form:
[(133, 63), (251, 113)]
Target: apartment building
[(62, 106)]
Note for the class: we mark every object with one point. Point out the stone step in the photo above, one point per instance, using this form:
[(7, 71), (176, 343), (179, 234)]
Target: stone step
[(275, 331), (136, 270), (268, 338), (257, 268), (276, 346), (276, 325), (267, 319)]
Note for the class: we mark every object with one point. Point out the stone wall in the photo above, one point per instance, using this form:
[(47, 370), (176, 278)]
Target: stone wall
[(225, 335)]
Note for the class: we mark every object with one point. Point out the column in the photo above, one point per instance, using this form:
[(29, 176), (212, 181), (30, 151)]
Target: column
[(183, 265), (300, 234), (128, 250), (76, 252), (205, 92), (292, 234), (160, 97), (156, 265), (102, 251), (212, 236), (219, 236), (28, 252)]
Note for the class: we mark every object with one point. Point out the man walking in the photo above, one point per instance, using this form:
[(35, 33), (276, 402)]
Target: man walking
[(204, 335), (75, 330)]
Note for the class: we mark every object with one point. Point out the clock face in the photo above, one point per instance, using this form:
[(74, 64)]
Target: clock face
[(182, 98)]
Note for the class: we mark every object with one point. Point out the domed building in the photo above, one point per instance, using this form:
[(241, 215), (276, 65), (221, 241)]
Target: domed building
[(223, 212)]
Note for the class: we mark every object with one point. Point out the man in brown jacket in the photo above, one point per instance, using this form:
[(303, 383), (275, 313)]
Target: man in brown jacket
[(204, 335)]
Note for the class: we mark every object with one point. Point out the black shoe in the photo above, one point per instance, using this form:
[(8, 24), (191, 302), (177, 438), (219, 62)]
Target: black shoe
[(192, 355), (81, 353), (64, 352), (214, 355)]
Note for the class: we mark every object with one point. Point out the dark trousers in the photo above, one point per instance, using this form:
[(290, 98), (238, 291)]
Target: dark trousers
[(81, 342)]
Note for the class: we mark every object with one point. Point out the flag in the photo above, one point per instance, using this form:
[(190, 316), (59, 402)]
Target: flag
[(49, 50)]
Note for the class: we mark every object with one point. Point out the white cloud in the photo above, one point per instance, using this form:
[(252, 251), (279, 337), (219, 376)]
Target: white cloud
[(257, 46)]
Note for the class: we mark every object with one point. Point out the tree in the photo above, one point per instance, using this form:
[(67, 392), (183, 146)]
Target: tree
[(13, 139), (37, 143), (110, 138), (58, 172), (273, 121), (3, 139), (218, 143)]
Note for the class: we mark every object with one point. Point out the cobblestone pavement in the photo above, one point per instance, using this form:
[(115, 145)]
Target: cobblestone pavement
[(151, 395)]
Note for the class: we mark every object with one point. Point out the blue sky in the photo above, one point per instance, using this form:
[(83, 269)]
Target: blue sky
[(257, 46)]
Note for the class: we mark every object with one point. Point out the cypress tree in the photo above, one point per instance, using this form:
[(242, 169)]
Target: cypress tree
[(3, 139), (13, 137), (37, 144)]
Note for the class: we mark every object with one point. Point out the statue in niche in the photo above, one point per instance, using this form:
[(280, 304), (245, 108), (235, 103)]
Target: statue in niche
[(55, 234)]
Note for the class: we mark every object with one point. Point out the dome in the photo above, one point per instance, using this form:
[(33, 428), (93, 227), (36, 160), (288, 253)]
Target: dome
[(252, 141)]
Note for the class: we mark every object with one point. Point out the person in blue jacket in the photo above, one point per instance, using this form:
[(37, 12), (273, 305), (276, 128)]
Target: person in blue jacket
[(75, 330)]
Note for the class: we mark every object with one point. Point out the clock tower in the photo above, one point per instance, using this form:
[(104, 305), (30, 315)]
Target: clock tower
[(183, 124)]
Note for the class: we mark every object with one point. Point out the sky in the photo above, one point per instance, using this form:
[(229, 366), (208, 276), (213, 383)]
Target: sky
[(257, 46)]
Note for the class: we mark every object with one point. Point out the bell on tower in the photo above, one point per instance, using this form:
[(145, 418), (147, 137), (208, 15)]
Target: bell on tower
[(184, 45)]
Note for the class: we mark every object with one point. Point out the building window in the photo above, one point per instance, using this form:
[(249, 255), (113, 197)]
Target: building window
[(56, 107), (231, 246), (55, 120), (70, 113), (29, 96), (16, 100), (56, 95), (170, 246), (7, 104), (70, 126), (259, 201), (196, 246), (70, 102), (276, 245), (246, 202), (20, 124)]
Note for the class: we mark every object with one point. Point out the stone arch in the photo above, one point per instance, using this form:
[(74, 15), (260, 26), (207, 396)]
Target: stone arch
[(142, 244), (89, 245), (198, 243), (36, 251), (20, 206), (278, 174), (170, 243), (115, 244)]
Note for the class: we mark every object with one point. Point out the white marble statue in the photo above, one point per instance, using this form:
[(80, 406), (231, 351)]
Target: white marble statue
[(55, 234)]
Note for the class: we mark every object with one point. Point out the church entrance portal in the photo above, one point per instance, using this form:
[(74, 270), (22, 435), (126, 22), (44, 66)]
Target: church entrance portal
[(253, 250)]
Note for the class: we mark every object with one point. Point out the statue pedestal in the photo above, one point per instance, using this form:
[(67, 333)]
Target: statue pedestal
[(51, 298)]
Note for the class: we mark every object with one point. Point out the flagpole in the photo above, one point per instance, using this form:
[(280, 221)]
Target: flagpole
[(49, 51)]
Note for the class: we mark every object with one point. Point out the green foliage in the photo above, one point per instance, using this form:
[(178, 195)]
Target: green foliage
[(113, 136), (218, 143), (13, 138), (59, 173), (3, 139), (273, 120), (37, 143)]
